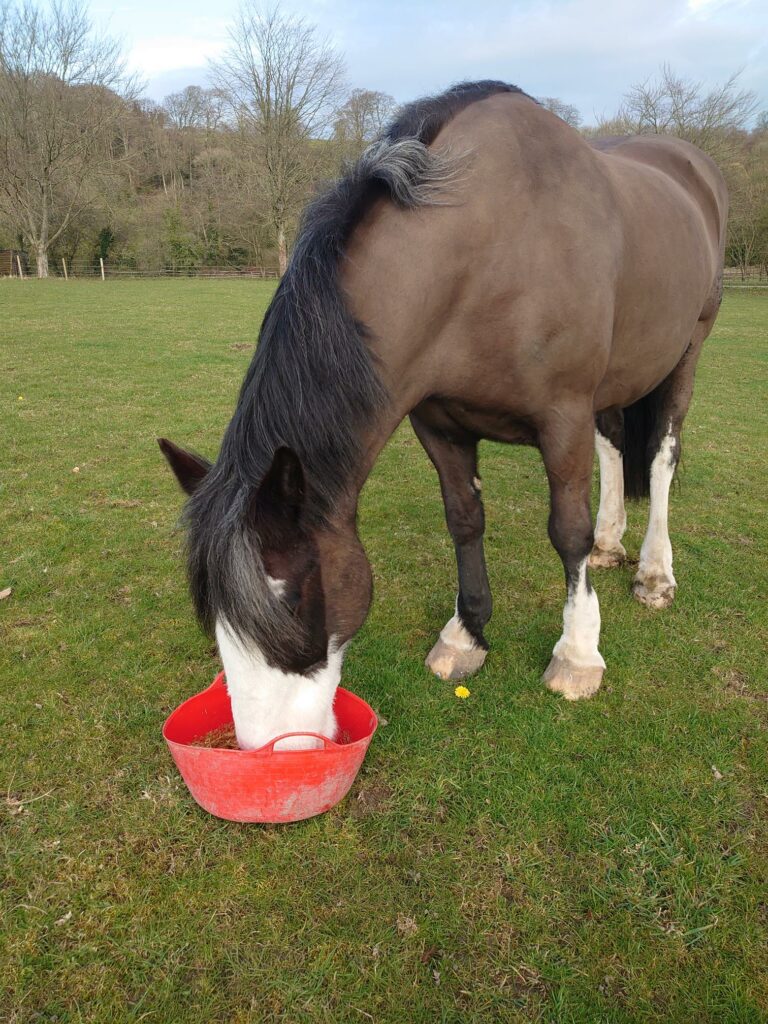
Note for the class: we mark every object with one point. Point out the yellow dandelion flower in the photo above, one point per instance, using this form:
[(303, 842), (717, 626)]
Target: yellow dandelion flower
[(461, 691), (21, 398)]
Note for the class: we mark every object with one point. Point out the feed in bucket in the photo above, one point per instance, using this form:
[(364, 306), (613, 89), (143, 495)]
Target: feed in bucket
[(266, 785)]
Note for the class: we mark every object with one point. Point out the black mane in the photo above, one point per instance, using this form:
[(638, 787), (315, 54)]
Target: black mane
[(312, 384), (424, 118)]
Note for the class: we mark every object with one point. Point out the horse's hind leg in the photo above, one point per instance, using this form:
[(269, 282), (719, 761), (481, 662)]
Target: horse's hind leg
[(654, 584), (461, 647), (567, 448), (611, 517)]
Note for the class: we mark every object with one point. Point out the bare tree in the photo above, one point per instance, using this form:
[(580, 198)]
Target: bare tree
[(194, 107), (747, 176), (59, 108), (672, 105), (566, 111), (361, 118), (282, 83), (190, 120)]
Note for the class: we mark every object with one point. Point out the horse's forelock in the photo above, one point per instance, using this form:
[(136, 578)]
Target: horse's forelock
[(227, 576)]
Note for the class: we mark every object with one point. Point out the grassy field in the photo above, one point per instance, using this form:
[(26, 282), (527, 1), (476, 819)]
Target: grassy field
[(509, 857)]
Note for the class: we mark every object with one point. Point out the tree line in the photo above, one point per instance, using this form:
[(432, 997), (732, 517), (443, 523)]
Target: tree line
[(218, 176)]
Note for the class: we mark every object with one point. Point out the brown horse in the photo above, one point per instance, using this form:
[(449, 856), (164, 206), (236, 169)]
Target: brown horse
[(487, 271)]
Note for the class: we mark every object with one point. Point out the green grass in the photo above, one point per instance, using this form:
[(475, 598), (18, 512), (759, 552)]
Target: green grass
[(509, 857)]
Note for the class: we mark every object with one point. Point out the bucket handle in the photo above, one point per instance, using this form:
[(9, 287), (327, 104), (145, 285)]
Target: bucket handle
[(269, 748)]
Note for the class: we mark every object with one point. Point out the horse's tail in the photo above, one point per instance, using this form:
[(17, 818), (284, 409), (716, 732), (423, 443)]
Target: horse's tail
[(642, 432)]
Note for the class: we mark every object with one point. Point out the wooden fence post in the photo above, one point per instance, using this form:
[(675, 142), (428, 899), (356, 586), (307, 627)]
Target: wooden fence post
[(101, 263), (18, 264), (64, 265)]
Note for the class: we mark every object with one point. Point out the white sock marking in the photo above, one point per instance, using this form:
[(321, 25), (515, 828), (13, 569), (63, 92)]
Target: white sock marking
[(455, 634), (611, 517), (581, 626), (656, 552), (267, 702)]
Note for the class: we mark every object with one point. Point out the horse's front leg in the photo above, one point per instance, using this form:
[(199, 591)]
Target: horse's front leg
[(461, 647), (567, 447)]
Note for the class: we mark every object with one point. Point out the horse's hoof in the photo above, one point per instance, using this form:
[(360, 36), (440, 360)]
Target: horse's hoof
[(574, 682), (602, 559), (654, 592), (448, 662)]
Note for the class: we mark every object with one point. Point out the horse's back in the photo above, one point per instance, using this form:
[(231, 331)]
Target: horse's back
[(611, 251), (586, 189), (683, 163), (552, 267)]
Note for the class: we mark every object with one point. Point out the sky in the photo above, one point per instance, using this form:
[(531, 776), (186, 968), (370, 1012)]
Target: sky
[(585, 52)]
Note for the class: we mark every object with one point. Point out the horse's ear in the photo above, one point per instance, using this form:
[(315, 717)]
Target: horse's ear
[(281, 492), (189, 469)]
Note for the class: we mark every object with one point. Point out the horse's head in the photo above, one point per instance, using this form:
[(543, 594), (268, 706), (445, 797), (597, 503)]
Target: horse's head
[(283, 589)]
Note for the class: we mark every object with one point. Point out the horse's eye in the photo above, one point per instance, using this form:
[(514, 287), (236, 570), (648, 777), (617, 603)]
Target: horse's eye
[(293, 601)]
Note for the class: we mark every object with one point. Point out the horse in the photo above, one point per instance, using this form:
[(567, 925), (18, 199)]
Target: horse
[(489, 272)]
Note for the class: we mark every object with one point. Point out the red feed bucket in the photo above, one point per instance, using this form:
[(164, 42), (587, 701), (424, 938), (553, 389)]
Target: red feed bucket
[(266, 785)]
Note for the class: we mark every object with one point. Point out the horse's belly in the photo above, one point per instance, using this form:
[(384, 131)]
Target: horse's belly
[(641, 360), (460, 420), (653, 327)]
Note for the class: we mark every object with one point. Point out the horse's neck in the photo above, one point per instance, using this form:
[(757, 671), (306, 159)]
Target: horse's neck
[(372, 444)]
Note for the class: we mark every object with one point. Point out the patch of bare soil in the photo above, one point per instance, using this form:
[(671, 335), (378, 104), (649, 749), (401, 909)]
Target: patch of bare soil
[(370, 798), (736, 682)]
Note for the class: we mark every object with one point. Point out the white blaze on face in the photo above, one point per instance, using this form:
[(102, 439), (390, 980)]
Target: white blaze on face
[(267, 702), (581, 625)]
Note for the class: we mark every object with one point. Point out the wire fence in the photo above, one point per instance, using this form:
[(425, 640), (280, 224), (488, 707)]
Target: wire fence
[(107, 269), (18, 265), (745, 277)]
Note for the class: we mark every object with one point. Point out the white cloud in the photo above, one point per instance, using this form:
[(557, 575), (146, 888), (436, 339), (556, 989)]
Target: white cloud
[(587, 52), (153, 55), (708, 7)]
